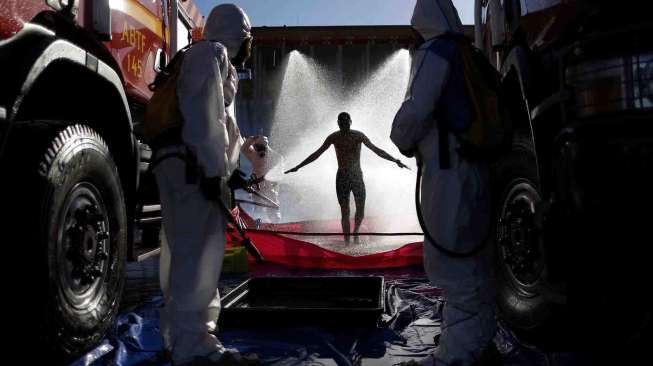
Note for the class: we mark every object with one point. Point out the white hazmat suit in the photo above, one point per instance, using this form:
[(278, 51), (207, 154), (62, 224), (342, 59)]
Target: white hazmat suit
[(455, 201), (267, 165), (192, 254)]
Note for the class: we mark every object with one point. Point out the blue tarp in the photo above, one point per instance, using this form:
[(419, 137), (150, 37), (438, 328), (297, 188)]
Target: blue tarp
[(408, 330)]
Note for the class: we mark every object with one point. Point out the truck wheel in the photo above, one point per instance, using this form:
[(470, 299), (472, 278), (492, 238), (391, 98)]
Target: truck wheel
[(520, 260), (84, 237)]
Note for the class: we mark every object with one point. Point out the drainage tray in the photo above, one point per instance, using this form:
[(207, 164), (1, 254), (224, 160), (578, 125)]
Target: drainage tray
[(300, 301)]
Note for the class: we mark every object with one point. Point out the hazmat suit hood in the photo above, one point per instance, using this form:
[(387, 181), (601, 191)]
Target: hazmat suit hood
[(229, 25), (432, 18)]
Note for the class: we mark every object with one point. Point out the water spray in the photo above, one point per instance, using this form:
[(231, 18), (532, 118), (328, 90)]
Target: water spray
[(306, 113)]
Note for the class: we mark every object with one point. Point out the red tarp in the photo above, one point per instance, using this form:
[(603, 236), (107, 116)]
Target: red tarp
[(293, 252)]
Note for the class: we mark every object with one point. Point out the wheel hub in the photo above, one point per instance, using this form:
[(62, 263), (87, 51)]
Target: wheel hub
[(518, 236), (83, 245)]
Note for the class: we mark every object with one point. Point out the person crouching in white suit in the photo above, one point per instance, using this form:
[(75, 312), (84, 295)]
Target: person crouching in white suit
[(265, 163), (190, 190), (455, 200)]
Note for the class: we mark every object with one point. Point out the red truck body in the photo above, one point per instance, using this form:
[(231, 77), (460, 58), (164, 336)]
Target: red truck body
[(74, 79), (138, 29)]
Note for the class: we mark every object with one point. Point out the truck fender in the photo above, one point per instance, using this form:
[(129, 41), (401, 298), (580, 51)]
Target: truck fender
[(517, 61), (516, 70), (63, 50), (34, 53), (29, 54)]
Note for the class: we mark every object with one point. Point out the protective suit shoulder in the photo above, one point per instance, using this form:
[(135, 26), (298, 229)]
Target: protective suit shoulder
[(206, 51), (443, 47), (201, 102), (429, 74)]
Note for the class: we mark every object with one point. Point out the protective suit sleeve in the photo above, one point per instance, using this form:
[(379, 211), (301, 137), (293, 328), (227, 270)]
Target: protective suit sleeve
[(429, 73), (201, 102)]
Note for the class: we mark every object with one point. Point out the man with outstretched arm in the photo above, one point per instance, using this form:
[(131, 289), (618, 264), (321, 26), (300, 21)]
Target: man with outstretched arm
[(347, 143)]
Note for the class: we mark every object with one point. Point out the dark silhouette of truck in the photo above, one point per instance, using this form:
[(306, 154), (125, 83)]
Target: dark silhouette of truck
[(77, 200), (573, 197)]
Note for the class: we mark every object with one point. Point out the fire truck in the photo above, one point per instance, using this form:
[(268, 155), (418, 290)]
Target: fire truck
[(573, 197), (77, 198)]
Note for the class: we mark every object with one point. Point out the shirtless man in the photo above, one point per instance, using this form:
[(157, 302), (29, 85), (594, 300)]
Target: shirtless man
[(349, 178)]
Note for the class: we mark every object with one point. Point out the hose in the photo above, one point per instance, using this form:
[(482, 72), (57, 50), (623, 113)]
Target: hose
[(253, 203), (245, 240), (328, 234), (427, 234)]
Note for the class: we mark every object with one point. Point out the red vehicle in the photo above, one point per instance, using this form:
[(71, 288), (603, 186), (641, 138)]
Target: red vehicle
[(573, 198), (74, 81)]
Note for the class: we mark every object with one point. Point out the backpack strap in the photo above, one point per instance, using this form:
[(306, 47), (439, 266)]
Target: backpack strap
[(443, 129), (162, 76)]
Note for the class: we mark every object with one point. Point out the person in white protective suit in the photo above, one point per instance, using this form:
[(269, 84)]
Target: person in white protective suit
[(267, 165), (194, 226), (455, 201)]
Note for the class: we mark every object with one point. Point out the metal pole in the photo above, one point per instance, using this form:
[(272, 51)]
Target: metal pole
[(173, 27), (477, 24)]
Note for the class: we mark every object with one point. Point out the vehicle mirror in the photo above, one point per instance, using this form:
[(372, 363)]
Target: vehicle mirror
[(160, 61)]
